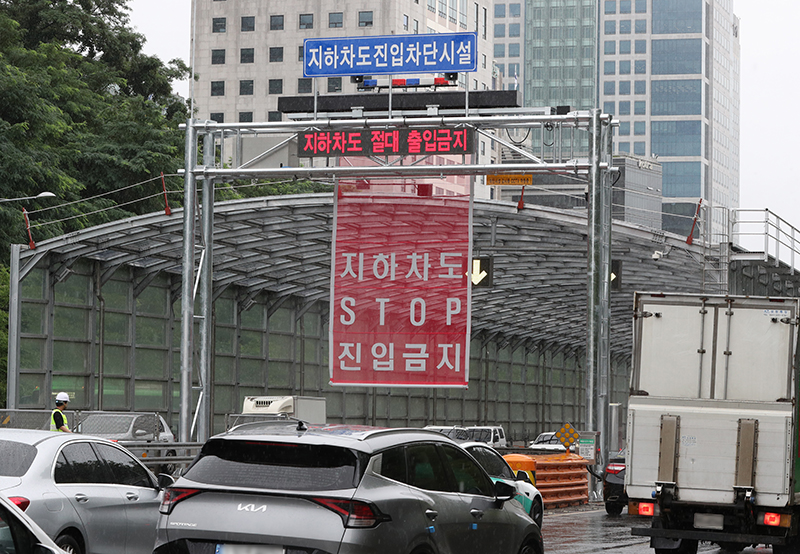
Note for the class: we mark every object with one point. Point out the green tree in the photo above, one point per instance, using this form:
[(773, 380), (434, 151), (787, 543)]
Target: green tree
[(83, 112)]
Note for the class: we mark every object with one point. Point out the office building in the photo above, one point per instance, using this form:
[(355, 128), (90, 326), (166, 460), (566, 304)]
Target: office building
[(670, 73)]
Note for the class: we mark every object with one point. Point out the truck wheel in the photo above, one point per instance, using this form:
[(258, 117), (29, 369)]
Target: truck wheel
[(613, 509)]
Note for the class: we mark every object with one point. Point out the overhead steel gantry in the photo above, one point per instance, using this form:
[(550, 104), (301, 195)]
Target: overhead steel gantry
[(221, 144)]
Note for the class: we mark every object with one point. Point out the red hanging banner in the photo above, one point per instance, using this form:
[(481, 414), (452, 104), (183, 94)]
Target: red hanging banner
[(400, 296)]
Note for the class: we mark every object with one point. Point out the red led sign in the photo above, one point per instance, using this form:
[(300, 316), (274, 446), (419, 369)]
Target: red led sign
[(382, 142)]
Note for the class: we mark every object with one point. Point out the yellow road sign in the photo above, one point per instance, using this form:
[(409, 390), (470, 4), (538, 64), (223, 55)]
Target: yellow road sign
[(567, 435), (509, 180)]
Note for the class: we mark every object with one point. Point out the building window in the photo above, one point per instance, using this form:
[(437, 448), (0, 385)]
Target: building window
[(514, 30), (335, 20), (609, 88), (611, 6), (483, 61), (609, 68), (641, 6), (625, 27), (625, 128), (640, 108), (217, 57), (416, 27), (624, 88), (513, 50), (677, 56), (625, 67), (365, 19), (624, 47), (300, 53), (639, 149), (640, 67), (641, 26), (274, 116), (682, 178), (499, 30), (306, 20), (624, 6), (640, 87), (640, 46), (276, 86), (625, 108), (499, 10), (677, 17), (610, 47), (246, 87), (499, 50), (405, 22), (217, 88), (334, 84), (514, 10), (218, 25), (276, 23), (219, 117), (245, 117), (639, 127), (625, 147), (610, 28), (678, 97), (608, 107), (303, 85), (248, 23), (247, 55), (276, 54), (513, 70)]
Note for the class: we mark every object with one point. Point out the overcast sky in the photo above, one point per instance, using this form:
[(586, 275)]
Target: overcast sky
[(770, 83)]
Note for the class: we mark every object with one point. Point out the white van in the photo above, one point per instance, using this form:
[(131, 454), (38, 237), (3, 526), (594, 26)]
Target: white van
[(493, 435)]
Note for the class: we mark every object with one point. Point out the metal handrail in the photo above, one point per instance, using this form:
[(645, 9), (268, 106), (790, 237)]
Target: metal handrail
[(777, 237)]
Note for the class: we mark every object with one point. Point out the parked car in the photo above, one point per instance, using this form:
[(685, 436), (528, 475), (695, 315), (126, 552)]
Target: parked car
[(292, 487), (88, 494), (20, 535), (493, 435), (499, 470), (130, 428), (548, 441), (453, 431), (614, 484)]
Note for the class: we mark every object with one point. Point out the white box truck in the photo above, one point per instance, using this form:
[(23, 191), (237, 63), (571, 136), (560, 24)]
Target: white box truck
[(712, 429)]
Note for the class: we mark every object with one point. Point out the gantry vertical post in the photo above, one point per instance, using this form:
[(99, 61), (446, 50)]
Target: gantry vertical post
[(206, 284), (187, 275)]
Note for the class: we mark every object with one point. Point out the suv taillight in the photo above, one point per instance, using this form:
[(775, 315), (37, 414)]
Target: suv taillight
[(615, 468), (174, 495), (354, 513), (20, 501)]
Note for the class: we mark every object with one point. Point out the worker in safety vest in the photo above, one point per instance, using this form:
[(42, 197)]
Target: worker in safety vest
[(58, 421)]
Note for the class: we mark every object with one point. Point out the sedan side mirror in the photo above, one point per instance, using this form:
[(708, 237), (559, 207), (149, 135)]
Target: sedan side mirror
[(165, 480), (503, 491), (523, 476)]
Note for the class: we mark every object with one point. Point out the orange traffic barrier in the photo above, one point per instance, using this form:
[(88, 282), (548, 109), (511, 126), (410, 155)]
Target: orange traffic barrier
[(562, 479), (522, 462)]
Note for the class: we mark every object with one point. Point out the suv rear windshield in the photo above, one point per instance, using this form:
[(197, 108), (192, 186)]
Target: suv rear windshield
[(270, 465), (15, 458)]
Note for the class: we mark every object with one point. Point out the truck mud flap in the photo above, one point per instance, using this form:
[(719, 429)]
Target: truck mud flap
[(704, 535)]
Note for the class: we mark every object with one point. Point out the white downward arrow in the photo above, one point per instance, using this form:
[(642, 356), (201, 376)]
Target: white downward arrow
[(477, 277)]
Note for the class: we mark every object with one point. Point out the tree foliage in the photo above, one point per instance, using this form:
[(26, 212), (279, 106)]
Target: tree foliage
[(84, 114)]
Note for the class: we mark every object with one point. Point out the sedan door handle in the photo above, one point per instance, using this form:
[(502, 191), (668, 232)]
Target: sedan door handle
[(81, 497), (132, 496), (432, 514), (477, 514)]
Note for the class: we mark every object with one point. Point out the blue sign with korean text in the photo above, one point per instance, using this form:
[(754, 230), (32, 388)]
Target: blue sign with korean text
[(390, 54)]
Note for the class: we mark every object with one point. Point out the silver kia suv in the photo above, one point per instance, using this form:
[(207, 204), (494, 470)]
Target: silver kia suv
[(291, 488)]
